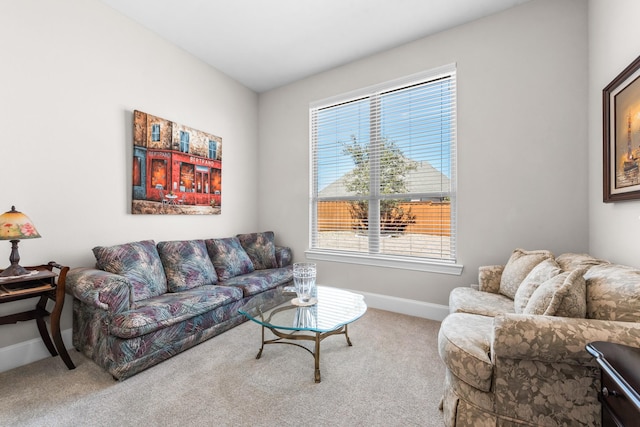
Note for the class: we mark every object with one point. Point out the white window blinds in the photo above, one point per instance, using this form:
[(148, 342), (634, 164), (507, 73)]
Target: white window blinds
[(383, 169)]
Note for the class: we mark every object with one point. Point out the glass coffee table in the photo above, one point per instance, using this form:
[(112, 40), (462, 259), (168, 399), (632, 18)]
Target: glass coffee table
[(279, 311)]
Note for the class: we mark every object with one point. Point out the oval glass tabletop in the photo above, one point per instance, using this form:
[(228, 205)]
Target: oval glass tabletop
[(334, 309)]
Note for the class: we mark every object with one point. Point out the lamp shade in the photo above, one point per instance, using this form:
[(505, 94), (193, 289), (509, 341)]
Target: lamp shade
[(15, 225)]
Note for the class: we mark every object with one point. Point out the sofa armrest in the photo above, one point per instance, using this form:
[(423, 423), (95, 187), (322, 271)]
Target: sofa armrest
[(552, 339), (489, 278), (100, 289), (284, 256)]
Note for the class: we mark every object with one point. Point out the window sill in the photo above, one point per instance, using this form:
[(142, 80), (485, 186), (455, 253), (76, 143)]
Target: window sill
[(430, 266)]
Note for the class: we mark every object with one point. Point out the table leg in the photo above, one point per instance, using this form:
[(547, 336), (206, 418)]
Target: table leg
[(346, 334), (261, 345), (57, 336), (316, 354), (40, 313)]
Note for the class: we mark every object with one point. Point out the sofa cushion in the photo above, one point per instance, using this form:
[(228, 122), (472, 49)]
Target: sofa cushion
[(563, 295), (469, 300), (518, 267), (169, 309), (139, 262), (570, 261), (229, 257), (261, 249), (613, 293), (284, 256), (260, 280), (542, 272), (464, 346), (186, 264)]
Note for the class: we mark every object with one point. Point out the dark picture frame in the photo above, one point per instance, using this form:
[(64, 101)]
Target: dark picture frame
[(621, 136)]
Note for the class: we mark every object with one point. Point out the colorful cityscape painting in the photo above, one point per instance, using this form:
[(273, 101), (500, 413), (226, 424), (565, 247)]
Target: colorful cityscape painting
[(176, 169)]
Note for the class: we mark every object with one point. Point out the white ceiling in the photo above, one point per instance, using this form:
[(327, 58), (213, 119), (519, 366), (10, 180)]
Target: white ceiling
[(264, 44)]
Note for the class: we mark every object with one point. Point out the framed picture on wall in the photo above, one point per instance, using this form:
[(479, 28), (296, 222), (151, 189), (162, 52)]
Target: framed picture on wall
[(177, 170), (621, 136)]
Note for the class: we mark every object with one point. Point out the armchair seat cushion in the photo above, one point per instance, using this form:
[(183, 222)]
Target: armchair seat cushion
[(470, 300), (464, 345)]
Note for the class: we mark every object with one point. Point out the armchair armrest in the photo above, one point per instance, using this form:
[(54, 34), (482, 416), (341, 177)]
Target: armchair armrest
[(100, 289), (489, 278), (552, 339), (284, 256)]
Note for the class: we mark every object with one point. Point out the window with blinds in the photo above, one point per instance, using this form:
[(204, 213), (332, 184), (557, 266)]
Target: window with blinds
[(383, 171)]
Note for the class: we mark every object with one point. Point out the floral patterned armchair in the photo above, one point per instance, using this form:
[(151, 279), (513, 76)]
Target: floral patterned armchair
[(514, 345)]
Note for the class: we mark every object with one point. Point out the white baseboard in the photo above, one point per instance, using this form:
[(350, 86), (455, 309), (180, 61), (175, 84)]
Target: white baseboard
[(29, 351), (33, 350), (406, 306)]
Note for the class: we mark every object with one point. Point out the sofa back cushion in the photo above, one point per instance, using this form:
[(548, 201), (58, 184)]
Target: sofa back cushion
[(518, 267), (261, 249), (229, 257), (613, 293), (571, 261), (563, 295), (186, 264), (542, 272), (139, 262)]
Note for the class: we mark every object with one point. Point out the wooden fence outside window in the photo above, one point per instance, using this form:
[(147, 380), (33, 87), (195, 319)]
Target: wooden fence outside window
[(433, 218)]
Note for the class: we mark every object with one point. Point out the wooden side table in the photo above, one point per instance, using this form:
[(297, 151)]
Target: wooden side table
[(620, 382), (43, 284)]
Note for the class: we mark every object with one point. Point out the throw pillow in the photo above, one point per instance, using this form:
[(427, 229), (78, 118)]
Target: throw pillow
[(186, 264), (541, 273), (261, 249), (229, 257), (564, 295), (139, 262), (518, 267)]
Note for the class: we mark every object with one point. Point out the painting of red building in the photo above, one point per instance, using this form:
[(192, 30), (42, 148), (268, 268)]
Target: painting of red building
[(176, 169)]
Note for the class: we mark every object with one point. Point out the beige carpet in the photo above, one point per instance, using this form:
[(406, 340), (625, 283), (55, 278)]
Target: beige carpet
[(392, 376)]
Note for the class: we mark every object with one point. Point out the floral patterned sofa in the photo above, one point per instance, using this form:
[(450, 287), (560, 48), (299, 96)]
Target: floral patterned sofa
[(144, 303), (514, 345)]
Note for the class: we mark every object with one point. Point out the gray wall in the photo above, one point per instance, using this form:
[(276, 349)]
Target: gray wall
[(72, 73), (522, 132), (614, 42)]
